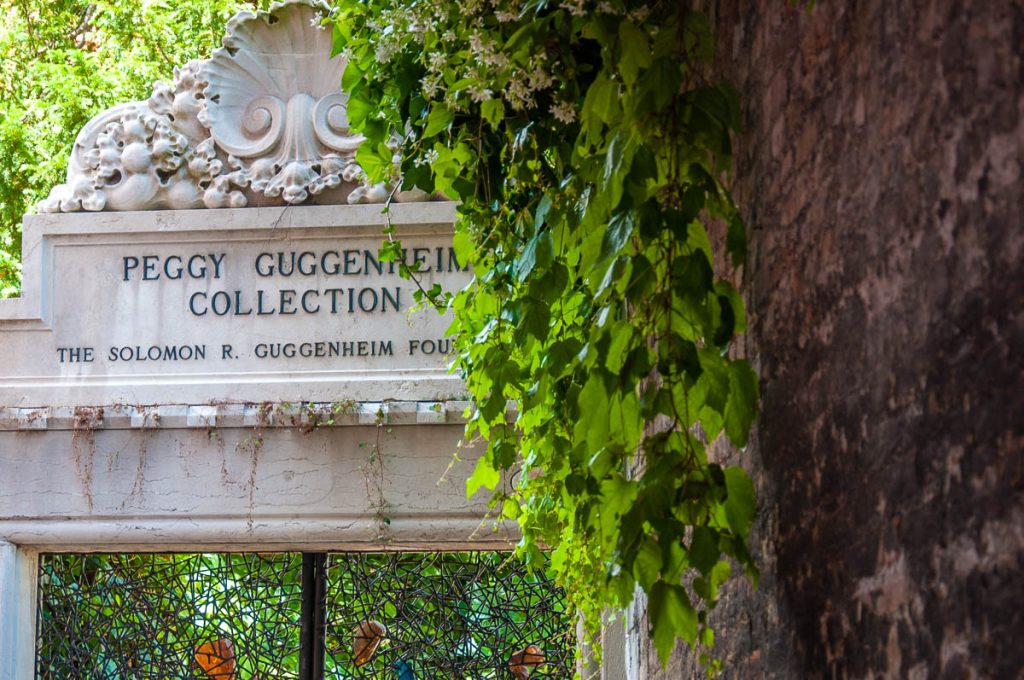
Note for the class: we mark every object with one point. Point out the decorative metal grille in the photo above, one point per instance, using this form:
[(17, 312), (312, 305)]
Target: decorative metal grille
[(122, 616), (304, 617), (445, 615)]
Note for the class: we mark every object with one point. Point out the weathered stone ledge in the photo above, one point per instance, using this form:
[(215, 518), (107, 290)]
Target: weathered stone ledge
[(327, 532), (303, 415)]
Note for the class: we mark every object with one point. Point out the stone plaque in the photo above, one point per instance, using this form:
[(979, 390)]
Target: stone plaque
[(268, 304), (218, 242)]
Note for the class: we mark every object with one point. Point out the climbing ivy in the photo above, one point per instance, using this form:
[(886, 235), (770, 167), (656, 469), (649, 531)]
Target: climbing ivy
[(587, 148)]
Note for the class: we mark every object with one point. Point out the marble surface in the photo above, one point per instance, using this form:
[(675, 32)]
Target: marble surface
[(262, 122), (228, 306)]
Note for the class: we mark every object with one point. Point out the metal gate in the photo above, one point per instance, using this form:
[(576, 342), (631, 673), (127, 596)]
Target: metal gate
[(301, 616)]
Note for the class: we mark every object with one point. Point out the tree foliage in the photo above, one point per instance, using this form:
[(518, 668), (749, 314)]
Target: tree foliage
[(64, 61), (588, 151)]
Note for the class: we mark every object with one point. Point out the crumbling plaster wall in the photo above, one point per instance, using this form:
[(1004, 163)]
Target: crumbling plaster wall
[(880, 173)]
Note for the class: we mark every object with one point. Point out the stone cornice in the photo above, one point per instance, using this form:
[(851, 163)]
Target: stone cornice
[(210, 416)]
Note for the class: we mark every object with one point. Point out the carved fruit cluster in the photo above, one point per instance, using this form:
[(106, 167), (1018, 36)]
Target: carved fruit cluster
[(261, 122)]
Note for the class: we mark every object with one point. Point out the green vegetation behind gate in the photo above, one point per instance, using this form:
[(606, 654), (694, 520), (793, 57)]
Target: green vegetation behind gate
[(242, 616)]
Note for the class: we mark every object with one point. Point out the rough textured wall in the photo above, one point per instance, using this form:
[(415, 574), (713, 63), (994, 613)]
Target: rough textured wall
[(881, 172)]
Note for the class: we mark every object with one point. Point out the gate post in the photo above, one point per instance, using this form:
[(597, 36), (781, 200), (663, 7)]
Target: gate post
[(314, 594), (17, 612)]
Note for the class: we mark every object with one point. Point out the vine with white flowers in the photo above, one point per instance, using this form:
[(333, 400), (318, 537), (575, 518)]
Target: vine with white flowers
[(588, 149)]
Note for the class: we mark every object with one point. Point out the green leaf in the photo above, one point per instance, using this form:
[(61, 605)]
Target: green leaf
[(736, 240), (741, 408), (699, 39), (539, 250), (617, 159), (351, 77), (720, 573), (592, 425), (484, 475), (375, 167), (724, 289), (358, 109), (622, 338), (704, 550), (636, 52), (672, 615), (645, 164), (493, 111), (647, 564), (464, 248), (541, 213), (727, 325), (601, 105), (510, 508), (619, 231), (715, 378), (675, 560), (740, 504), (617, 495), (661, 83), (617, 270), (521, 37), (440, 118), (339, 37), (536, 322)]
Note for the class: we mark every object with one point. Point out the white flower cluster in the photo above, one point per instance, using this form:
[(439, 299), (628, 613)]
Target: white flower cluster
[(483, 50), (386, 50), (426, 158), (574, 7), (396, 23), (518, 93), (564, 112), (539, 78), (508, 11), (466, 51), (637, 15), (431, 85), (480, 94)]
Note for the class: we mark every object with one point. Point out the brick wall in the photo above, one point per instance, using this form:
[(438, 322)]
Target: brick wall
[(881, 174)]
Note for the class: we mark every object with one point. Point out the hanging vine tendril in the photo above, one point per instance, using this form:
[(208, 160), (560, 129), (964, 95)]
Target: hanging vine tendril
[(589, 152)]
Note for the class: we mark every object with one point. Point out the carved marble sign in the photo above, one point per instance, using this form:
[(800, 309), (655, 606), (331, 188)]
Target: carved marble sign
[(239, 304), (186, 271)]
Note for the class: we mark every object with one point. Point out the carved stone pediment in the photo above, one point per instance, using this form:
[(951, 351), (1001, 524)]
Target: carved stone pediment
[(261, 122)]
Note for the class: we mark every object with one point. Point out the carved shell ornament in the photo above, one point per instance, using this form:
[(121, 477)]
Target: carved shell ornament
[(262, 122)]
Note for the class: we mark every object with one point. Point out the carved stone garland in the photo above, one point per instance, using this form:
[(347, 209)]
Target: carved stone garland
[(262, 122)]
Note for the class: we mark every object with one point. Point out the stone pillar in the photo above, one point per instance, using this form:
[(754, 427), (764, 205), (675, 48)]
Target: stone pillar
[(17, 612), (613, 645)]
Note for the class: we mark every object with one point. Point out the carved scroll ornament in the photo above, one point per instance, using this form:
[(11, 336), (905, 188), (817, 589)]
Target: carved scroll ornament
[(262, 122)]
